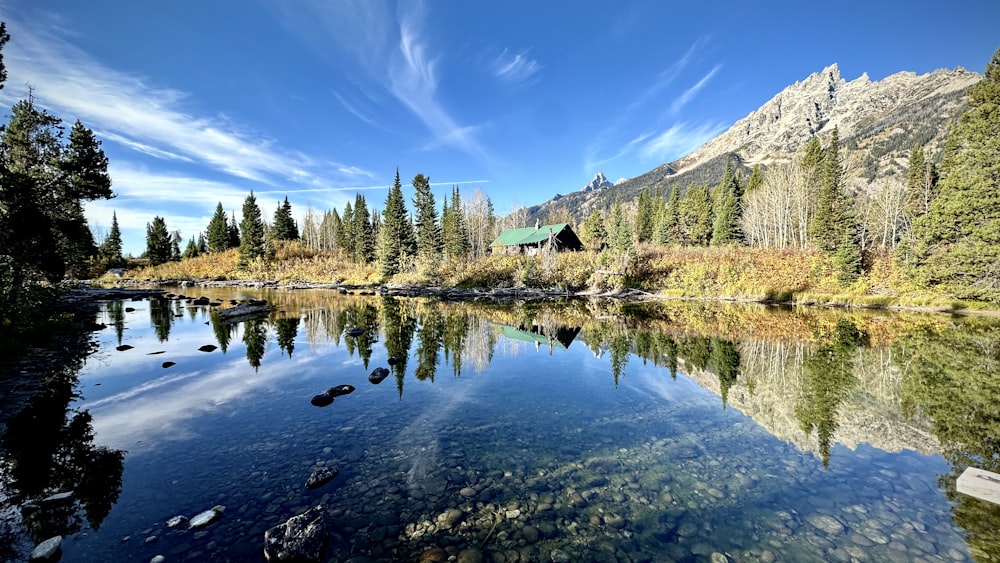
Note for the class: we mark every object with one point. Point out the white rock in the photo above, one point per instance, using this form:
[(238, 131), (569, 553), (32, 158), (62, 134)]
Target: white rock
[(176, 521), (47, 549), (203, 519)]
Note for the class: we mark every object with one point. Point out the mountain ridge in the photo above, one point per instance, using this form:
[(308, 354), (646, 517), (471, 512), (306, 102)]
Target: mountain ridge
[(879, 122)]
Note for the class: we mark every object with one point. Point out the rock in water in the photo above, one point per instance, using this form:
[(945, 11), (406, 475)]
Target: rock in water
[(48, 550), (208, 348), (123, 347), (203, 519), (300, 538), (378, 374), (322, 400), (58, 497), (355, 332), (168, 364), (176, 521), (320, 477), (393, 360), (340, 390)]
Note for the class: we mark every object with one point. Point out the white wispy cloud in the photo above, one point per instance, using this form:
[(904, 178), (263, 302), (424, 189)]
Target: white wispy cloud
[(689, 94), (129, 110), (515, 68), (679, 140), (395, 53)]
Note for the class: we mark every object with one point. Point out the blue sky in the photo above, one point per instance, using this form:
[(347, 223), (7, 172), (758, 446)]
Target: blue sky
[(201, 102)]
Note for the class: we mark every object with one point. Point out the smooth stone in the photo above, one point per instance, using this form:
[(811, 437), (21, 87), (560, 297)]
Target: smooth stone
[(393, 360), (433, 555), (467, 492), (377, 375), (124, 347), (168, 364), (205, 518), (449, 518), (559, 556), (321, 400), (58, 497), (207, 348), (176, 521), (340, 390), (613, 520), (469, 555), (47, 550), (828, 524), (321, 476), (530, 534), (355, 332), (719, 557), (157, 559)]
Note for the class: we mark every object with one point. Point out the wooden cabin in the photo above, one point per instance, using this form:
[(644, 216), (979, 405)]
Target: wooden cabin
[(557, 237)]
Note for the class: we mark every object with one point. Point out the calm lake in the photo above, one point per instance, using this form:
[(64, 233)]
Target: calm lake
[(532, 432)]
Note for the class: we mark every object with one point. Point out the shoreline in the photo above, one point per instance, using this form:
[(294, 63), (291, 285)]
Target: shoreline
[(130, 287)]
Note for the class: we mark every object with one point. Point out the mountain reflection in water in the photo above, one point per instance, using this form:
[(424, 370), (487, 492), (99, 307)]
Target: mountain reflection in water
[(664, 431)]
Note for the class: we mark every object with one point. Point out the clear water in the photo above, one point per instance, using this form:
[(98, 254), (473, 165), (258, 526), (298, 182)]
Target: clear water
[(536, 432)]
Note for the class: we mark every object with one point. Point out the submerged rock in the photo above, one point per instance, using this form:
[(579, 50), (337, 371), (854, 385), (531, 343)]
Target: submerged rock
[(58, 497), (48, 550), (168, 364), (321, 400), (355, 331), (340, 390), (207, 348), (320, 477), (393, 360), (203, 519), (123, 347), (176, 521), (378, 374), (300, 538)]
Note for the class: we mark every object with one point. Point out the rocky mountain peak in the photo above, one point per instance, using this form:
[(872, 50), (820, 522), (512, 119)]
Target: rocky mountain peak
[(598, 183)]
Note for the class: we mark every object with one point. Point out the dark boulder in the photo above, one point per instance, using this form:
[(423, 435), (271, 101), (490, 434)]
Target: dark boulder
[(124, 347), (321, 400), (355, 332), (208, 348), (320, 477), (168, 364), (378, 374), (393, 360), (340, 390), (300, 538), (201, 301)]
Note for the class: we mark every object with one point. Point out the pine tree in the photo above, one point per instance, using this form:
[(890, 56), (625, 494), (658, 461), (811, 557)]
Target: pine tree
[(725, 227), (957, 242), (453, 229), (234, 232), (667, 228), (593, 234), (364, 233), (345, 233), (175, 246), (202, 244), (644, 217), (397, 232), (111, 248), (428, 231), (619, 230), (157, 242), (191, 250), (833, 227), (695, 216), (252, 244), (756, 179), (284, 227), (218, 231)]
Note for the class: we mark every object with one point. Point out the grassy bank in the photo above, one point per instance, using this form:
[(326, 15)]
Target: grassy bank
[(733, 273)]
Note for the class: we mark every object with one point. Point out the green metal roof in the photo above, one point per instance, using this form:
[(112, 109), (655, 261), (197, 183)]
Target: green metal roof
[(527, 235)]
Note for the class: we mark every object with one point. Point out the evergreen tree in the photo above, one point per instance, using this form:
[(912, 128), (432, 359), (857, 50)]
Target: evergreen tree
[(619, 230), (593, 234), (833, 227), (428, 231), (202, 244), (725, 227), (756, 179), (957, 242), (644, 217), (218, 231), (345, 234), (4, 38), (695, 216), (191, 250), (111, 248), (234, 232), (252, 245), (397, 232), (667, 228), (453, 230), (284, 227), (364, 232), (157, 242)]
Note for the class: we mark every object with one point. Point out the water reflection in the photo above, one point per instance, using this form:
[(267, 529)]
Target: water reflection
[(859, 392)]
